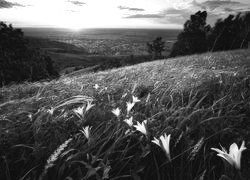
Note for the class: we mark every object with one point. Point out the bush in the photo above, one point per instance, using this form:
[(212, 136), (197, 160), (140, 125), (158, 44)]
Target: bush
[(193, 38), (197, 37), (156, 47), (18, 61), (231, 33)]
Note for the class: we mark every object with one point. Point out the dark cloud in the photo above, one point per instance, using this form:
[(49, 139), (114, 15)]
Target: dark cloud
[(212, 5), (7, 4), (77, 3), (148, 16), (215, 8), (130, 9)]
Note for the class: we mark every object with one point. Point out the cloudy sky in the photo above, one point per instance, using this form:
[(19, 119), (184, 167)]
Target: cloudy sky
[(77, 14)]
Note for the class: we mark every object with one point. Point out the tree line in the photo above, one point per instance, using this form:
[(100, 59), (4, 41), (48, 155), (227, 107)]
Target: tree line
[(197, 36), (19, 61)]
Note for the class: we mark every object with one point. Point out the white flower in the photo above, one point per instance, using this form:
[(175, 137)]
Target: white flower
[(135, 99), (89, 106), (86, 131), (30, 116), (79, 111), (234, 155), (129, 121), (51, 110), (130, 106), (164, 143), (116, 112), (141, 127), (96, 86), (156, 141)]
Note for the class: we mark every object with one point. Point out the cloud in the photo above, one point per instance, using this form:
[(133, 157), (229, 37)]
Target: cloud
[(7, 4), (148, 16), (72, 11), (175, 15), (130, 9), (77, 3), (213, 4)]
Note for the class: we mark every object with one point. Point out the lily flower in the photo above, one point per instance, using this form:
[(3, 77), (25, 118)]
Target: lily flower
[(96, 86), (51, 110), (79, 111), (30, 116), (116, 112), (135, 99), (129, 121), (164, 143), (86, 131), (89, 106), (156, 141), (130, 106), (141, 127), (234, 155)]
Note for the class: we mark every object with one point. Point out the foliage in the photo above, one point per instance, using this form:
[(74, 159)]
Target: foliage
[(202, 101), (193, 38), (18, 61), (156, 47), (231, 33)]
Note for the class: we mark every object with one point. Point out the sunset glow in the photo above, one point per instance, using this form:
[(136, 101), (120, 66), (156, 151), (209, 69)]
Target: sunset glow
[(77, 14)]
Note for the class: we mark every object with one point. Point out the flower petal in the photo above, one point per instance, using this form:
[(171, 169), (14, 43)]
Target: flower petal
[(233, 151), (218, 150), (227, 158), (156, 141)]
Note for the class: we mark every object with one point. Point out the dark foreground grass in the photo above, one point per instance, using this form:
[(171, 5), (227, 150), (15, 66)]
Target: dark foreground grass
[(202, 101)]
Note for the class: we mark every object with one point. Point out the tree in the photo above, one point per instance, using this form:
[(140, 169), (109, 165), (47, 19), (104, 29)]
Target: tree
[(231, 33), (156, 47), (18, 61), (193, 38)]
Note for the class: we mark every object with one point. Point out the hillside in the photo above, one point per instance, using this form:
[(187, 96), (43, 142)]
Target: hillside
[(201, 100)]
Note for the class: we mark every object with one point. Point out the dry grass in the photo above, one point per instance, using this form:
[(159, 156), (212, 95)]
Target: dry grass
[(202, 100)]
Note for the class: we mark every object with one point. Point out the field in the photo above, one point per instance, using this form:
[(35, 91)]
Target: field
[(203, 101), (103, 47)]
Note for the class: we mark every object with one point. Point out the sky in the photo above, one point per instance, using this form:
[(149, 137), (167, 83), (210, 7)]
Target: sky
[(78, 14)]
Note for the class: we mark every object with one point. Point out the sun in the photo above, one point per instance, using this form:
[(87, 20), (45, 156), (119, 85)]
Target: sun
[(75, 27)]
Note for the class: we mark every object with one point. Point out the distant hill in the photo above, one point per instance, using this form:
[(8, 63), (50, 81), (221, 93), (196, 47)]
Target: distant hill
[(54, 46)]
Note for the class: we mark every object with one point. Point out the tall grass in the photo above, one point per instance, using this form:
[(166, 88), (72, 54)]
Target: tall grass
[(199, 112)]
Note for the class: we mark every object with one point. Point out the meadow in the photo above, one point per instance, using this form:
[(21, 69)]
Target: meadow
[(70, 128)]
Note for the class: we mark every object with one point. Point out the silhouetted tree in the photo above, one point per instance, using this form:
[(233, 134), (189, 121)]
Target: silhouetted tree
[(193, 39), (231, 33), (156, 48), (18, 61)]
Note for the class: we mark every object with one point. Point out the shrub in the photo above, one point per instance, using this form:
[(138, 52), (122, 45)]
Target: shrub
[(18, 61), (193, 38), (156, 47), (231, 33)]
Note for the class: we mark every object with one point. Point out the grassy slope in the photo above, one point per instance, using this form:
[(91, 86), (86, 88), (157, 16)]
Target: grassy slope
[(200, 96), (177, 73)]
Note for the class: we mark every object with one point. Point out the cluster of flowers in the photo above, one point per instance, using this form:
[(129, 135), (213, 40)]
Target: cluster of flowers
[(233, 157)]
